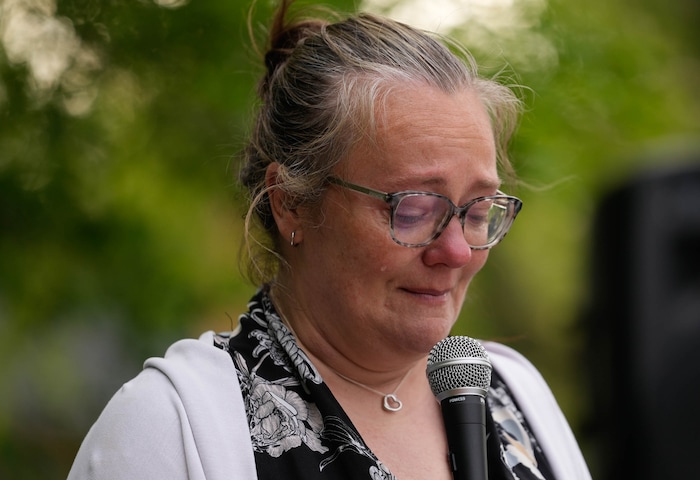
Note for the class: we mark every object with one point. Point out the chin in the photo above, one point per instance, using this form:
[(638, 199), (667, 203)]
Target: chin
[(424, 338)]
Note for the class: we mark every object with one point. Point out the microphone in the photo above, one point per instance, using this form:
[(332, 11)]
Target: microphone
[(459, 373)]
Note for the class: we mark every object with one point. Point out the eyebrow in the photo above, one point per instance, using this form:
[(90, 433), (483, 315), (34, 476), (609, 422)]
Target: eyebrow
[(483, 184)]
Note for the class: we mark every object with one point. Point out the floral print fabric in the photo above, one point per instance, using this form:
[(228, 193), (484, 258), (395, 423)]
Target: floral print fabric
[(298, 429)]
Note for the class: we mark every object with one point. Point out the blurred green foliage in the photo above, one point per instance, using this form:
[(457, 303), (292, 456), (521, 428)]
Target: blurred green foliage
[(120, 221)]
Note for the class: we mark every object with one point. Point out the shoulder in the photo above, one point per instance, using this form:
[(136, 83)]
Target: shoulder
[(192, 364), (541, 409), (509, 361), (168, 420), (522, 377)]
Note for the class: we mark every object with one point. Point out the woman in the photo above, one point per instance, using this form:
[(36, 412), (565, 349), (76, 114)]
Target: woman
[(325, 375)]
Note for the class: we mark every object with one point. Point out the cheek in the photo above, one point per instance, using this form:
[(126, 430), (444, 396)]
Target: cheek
[(374, 259), (347, 249), (364, 239), (370, 260), (358, 239)]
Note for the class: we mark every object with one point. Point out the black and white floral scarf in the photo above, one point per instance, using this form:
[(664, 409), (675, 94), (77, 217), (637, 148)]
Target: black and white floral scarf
[(299, 430)]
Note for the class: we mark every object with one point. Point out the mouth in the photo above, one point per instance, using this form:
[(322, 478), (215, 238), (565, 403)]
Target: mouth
[(429, 293)]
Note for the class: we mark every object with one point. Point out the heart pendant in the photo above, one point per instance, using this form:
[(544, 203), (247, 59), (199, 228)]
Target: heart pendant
[(391, 403)]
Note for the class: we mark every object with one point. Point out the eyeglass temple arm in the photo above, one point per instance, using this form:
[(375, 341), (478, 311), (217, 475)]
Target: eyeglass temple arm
[(359, 188)]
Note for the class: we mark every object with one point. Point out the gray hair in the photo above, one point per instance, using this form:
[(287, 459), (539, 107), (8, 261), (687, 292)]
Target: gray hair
[(325, 83)]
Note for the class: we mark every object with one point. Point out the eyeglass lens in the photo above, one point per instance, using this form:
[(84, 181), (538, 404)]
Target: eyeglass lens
[(419, 218)]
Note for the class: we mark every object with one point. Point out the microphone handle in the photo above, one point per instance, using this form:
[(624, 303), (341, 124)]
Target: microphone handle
[(465, 425)]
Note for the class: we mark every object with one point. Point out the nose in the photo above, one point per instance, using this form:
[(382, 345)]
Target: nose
[(450, 248)]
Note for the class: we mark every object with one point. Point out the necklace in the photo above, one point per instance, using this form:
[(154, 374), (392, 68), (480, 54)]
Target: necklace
[(390, 402)]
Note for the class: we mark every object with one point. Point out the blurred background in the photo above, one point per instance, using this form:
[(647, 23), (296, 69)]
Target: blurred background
[(120, 218)]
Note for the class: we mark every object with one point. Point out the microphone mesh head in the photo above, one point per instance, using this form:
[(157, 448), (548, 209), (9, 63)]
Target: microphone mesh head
[(458, 363)]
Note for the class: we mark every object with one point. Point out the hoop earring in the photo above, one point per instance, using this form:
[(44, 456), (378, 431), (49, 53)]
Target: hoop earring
[(291, 241)]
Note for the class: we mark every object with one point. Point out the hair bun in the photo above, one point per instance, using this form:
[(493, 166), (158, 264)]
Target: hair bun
[(284, 37)]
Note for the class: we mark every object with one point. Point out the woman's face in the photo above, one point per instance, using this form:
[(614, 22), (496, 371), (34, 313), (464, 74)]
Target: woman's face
[(359, 290)]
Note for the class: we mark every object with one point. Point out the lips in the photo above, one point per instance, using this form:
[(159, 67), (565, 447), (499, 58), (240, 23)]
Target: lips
[(431, 292)]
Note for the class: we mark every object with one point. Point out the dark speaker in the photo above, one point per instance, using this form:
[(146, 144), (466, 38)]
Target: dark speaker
[(644, 327)]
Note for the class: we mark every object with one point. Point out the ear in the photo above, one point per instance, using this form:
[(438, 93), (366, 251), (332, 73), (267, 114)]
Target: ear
[(286, 218)]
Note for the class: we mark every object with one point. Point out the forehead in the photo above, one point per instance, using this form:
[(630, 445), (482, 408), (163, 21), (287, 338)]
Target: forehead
[(423, 133)]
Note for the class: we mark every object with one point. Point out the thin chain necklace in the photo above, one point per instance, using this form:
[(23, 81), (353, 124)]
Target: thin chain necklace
[(390, 402)]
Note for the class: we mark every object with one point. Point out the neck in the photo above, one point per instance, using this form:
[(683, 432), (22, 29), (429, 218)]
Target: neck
[(360, 357), (384, 379), (390, 400)]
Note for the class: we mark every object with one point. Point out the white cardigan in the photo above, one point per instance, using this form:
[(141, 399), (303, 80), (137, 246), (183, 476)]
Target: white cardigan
[(183, 418)]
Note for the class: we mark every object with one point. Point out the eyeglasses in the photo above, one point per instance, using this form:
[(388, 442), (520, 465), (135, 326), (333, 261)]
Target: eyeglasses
[(418, 218)]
